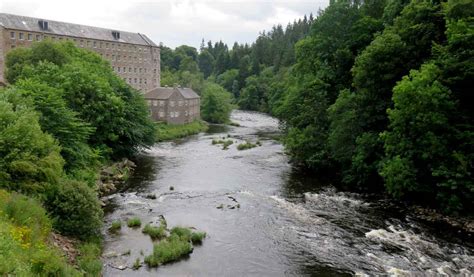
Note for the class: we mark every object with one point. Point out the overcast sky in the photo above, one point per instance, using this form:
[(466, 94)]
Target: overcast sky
[(173, 22)]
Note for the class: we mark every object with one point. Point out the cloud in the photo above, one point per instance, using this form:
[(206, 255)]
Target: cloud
[(173, 22)]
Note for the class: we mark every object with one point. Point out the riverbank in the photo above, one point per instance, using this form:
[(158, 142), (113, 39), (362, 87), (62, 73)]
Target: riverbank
[(166, 132)]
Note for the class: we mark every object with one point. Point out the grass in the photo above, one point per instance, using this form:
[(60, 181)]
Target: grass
[(225, 143), (174, 247), (165, 132), (137, 264), (89, 259), (154, 232), (116, 226), (24, 247), (134, 222), (171, 249), (246, 145)]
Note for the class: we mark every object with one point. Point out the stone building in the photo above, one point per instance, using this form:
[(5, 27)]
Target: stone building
[(133, 56), (173, 105)]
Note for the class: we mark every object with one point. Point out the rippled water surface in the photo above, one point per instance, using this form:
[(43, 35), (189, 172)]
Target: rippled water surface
[(274, 222)]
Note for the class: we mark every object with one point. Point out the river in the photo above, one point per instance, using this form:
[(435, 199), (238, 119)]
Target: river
[(263, 218)]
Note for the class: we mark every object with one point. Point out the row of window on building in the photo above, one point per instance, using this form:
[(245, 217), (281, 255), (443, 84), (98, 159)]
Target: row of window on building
[(135, 70), (88, 43), (161, 114), (136, 80), (173, 103)]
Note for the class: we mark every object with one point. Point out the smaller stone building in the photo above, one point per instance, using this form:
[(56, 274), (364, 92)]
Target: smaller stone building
[(174, 105)]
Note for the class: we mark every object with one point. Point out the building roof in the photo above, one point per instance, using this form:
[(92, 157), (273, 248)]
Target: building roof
[(165, 93), (31, 24)]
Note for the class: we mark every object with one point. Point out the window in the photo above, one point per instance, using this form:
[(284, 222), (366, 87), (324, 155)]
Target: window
[(88, 43), (172, 103), (30, 37), (148, 102), (161, 114), (135, 80), (135, 70), (113, 57), (94, 44), (140, 80), (144, 70), (155, 103), (38, 37), (176, 114), (140, 70), (118, 69), (185, 113), (180, 103), (162, 103), (20, 36), (113, 68), (118, 57), (145, 81), (124, 69), (106, 46), (12, 35), (118, 47), (100, 45), (129, 69), (13, 46), (186, 102), (113, 45), (154, 70), (129, 80), (82, 43)]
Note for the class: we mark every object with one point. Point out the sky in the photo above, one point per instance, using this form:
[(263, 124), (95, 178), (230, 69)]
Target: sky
[(173, 23)]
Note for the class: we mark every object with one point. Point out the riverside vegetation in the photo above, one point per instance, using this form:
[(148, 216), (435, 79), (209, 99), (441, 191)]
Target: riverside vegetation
[(64, 115), (373, 93)]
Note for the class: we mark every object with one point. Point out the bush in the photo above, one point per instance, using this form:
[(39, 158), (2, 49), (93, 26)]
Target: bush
[(215, 104), (154, 232), (75, 209), (24, 230), (171, 249), (134, 222), (166, 132), (116, 226), (246, 145), (197, 237), (89, 259)]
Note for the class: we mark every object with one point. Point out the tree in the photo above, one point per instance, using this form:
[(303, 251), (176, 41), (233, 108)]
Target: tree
[(215, 103), (29, 158), (206, 63)]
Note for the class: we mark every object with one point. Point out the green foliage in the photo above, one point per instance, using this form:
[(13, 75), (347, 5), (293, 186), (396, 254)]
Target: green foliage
[(155, 232), (115, 226), (89, 259), (197, 237), (215, 103), (91, 95), (166, 132), (426, 154), (24, 232), (246, 145), (134, 222), (171, 249), (75, 209), (29, 158)]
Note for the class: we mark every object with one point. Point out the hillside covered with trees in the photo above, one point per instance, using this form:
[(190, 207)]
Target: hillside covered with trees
[(373, 93)]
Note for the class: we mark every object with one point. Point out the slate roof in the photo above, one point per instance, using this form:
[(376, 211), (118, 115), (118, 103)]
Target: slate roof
[(165, 92), (31, 24)]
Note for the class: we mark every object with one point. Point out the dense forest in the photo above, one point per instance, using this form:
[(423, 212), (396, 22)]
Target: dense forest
[(374, 93)]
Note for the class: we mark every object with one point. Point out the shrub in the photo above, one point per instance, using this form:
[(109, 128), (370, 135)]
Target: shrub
[(197, 237), (134, 222), (171, 249), (75, 209), (154, 232), (246, 145), (89, 259), (116, 226), (166, 132)]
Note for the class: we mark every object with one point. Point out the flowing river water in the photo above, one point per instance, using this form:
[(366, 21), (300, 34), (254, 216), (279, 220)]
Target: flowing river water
[(264, 218)]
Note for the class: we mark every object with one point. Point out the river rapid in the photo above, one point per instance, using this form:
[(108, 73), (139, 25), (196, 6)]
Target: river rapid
[(264, 218)]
